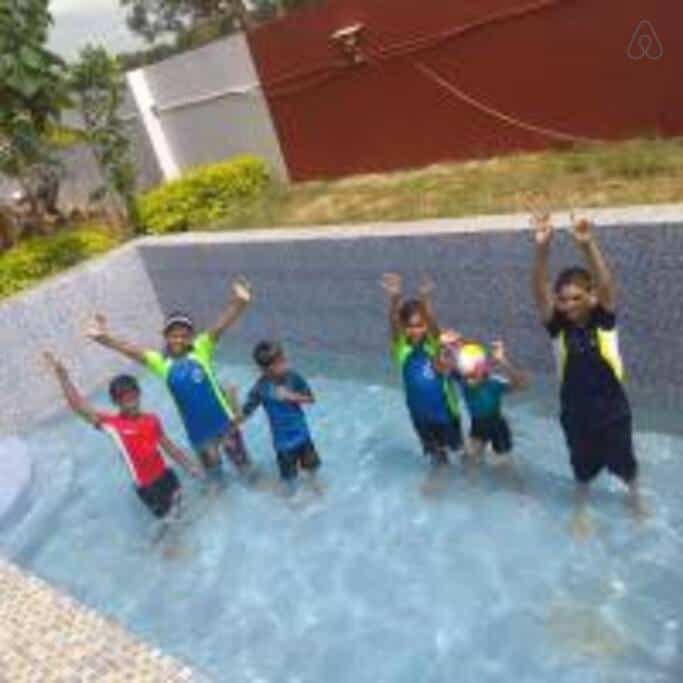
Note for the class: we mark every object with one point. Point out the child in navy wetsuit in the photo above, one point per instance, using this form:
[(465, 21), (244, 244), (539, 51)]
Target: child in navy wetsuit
[(282, 393), (431, 398), (139, 437), (579, 314), (483, 393), (186, 366)]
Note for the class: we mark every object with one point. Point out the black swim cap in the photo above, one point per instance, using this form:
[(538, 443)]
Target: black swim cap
[(121, 385), (177, 318)]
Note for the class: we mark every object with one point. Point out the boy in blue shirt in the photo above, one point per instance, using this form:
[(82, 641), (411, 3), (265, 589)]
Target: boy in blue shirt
[(483, 394), (282, 393)]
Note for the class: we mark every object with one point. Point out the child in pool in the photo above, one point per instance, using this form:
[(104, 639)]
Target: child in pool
[(282, 392), (186, 365), (579, 313), (483, 393), (430, 396), (139, 437)]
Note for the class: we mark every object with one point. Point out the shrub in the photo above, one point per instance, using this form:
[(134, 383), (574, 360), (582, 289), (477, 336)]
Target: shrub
[(203, 196), (38, 257)]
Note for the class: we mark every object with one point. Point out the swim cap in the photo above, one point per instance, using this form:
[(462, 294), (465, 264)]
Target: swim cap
[(472, 360), (122, 385), (178, 319)]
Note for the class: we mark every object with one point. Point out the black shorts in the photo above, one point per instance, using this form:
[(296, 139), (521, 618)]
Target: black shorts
[(494, 430), (438, 438), (160, 495), (304, 456), (610, 446)]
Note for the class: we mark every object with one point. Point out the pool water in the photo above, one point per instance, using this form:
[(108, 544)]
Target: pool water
[(374, 581)]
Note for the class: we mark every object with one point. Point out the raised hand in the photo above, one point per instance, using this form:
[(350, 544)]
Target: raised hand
[(450, 337), (392, 283), (51, 361), (582, 229), (540, 221), (427, 286), (543, 229), (97, 327), (498, 351), (241, 290)]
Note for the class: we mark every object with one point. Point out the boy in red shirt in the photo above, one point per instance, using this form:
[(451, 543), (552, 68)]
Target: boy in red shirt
[(139, 437)]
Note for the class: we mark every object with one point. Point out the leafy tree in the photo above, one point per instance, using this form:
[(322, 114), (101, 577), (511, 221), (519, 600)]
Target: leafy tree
[(33, 93), (154, 18), (98, 85)]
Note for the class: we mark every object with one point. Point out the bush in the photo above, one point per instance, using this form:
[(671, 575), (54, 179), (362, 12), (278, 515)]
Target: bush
[(36, 258), (203, 196)]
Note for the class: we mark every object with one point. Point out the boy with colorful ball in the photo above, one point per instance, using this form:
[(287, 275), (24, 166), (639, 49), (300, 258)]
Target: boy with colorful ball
[(473, 367)]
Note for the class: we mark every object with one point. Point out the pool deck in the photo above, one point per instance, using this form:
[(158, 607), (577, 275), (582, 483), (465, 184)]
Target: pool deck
[(47, 637)]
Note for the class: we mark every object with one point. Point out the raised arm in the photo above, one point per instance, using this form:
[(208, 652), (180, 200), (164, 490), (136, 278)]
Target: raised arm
[(98, 331), (518, 379), (178, 455), (425, 294), (543, 232), (582, 230), (73, 397), (240, 299), (392, 283)]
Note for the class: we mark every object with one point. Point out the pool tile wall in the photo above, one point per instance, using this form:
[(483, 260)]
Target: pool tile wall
[(323, 292), (53, 317), (318, 287)]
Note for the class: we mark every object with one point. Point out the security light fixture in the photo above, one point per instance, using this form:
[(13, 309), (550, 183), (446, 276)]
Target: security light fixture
[(348, 39)]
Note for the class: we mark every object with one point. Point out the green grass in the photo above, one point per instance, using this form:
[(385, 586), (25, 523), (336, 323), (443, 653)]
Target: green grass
[(39, 257), (642, 171)]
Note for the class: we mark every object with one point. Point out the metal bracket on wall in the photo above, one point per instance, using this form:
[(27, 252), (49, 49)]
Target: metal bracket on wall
[(348, 40)]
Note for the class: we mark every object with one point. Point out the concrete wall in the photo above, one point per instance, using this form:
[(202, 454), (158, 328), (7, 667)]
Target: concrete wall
[(319, 289), (210, 107), (439, 80)]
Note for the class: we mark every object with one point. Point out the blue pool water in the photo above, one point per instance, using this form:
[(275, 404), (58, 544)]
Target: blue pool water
[(374, 582)]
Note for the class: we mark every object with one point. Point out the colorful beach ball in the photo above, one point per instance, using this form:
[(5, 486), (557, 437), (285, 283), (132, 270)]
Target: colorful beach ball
[(472, 360)]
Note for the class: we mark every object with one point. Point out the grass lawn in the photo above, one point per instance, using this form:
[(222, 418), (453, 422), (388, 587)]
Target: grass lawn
[(640, 171)]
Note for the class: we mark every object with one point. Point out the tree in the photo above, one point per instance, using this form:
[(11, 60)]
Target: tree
[(155, 18), (98, 85), (33, 94)]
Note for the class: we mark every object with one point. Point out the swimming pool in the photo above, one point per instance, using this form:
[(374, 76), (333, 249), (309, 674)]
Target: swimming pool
[(375, 581)]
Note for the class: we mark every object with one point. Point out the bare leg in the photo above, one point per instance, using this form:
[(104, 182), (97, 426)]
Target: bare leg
[(314, 483), (636, 503), (582, 525), (507, 465), (438, 472), (211, 460), (474, 451)]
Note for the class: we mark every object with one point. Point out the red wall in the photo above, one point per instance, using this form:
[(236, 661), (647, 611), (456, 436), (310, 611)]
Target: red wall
[(558, 64)]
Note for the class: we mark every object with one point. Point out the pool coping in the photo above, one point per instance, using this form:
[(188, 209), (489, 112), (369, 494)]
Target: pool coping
[(633, 215)]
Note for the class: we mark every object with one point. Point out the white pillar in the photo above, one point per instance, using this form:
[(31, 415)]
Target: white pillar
[(150, 119)]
